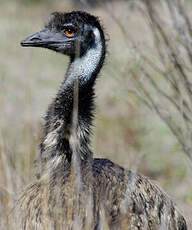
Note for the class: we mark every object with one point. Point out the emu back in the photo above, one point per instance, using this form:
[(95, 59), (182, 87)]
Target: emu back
[(109, 197)]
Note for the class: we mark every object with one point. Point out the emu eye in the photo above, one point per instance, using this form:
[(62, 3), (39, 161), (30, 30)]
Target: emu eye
[(69, 32)]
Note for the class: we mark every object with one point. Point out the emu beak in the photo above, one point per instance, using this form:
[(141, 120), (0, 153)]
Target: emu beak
[(39, 39)]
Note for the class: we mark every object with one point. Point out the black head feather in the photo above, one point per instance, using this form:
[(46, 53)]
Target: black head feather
[(78, 18)]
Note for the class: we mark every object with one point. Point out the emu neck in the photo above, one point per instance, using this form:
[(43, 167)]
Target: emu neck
[(58, 120), (87, 66)]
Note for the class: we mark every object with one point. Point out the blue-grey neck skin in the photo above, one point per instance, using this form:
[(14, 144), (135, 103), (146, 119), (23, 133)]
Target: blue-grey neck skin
[(86, 65), (58, 120)]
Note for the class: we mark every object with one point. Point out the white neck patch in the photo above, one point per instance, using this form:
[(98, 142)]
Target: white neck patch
[(84, 66)]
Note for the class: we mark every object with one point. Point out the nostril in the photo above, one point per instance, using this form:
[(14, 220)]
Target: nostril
[(35, 39)]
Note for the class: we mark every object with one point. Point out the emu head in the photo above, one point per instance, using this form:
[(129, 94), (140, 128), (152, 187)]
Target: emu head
[(67, 33)]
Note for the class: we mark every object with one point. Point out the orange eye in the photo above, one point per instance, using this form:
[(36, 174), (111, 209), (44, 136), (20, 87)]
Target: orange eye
[(69, 33)]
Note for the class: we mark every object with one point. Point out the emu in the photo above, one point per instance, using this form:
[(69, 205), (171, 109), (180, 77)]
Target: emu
[(102, 194)]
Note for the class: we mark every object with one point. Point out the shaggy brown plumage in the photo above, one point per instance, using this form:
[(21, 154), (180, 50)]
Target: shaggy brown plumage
[(108, 197)]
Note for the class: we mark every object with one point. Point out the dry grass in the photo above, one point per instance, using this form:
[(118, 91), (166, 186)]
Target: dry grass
[(125, 130)]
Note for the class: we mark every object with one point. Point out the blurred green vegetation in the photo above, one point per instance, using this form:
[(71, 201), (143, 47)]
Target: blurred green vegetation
[(28, 2), (35, 1)]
